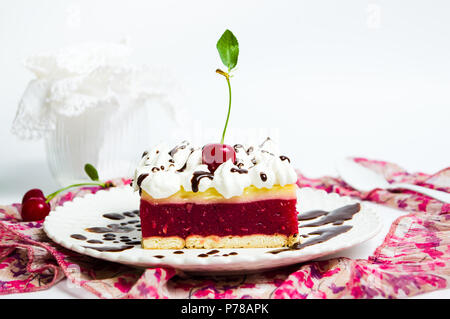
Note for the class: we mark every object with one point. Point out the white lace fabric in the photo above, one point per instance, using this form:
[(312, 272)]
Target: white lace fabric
[(71, 80)]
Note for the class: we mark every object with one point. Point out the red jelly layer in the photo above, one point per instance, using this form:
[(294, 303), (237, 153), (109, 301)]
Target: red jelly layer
[(269, 217)]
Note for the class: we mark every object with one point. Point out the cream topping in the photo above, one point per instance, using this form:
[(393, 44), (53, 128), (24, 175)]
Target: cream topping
[(162, 171), (229, 181)]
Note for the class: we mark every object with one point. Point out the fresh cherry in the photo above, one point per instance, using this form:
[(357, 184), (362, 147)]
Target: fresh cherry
[(35, 208), (215, 154), (35, 192)]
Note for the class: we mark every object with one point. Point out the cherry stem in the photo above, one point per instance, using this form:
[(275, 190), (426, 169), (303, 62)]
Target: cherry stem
[(227, 77), (52, 195)]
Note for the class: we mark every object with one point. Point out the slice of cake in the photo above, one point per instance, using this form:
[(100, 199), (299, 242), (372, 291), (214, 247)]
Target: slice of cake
[(217, 196)]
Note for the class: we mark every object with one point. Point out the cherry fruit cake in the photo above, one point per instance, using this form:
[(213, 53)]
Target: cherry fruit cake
[(217, 196)]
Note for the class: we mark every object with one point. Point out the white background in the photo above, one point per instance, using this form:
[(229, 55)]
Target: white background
[(335, 78)]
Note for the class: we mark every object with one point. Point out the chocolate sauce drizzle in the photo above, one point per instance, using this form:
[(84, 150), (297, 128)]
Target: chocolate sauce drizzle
[(215, 253), (324, 235), (336, 217), (110, 228), (114, 216), (264, 142), (110, 232), (197, 176), (140, 179), (285, 158), (94, 241), (120, 216), (182, 146), (182, 169), (131, 214), (238, 170)]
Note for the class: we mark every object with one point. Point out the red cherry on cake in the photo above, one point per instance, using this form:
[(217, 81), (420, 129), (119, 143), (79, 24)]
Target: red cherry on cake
[(35, 208), (35, 192), (214, 155)]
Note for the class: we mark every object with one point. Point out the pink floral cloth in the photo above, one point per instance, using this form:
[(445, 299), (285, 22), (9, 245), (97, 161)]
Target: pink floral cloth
[(414, 257)]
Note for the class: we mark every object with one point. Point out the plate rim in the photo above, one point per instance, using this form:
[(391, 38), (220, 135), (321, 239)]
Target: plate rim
[(186, 262)]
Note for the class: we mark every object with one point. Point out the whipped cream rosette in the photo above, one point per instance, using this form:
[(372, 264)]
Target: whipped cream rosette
[(162, 171)]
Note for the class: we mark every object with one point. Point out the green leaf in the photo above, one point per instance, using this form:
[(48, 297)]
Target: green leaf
[(228, 48), (91, 172)]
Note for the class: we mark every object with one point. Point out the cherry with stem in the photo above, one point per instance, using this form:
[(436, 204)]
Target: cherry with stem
[(216, 154), (36, 206)]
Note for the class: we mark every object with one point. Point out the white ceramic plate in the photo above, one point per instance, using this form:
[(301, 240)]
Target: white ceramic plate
[(84, 212)]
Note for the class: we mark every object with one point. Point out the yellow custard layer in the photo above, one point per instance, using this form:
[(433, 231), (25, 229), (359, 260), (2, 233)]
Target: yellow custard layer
[(211, 195)]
